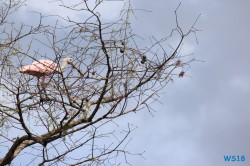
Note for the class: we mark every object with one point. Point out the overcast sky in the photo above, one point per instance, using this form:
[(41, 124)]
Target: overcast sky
[(205, 116)]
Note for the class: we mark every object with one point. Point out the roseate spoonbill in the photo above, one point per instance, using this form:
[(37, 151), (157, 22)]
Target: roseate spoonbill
[(42, 68)]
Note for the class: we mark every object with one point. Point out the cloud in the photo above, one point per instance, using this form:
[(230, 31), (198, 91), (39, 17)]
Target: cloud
[(109, 10), (204, 117)]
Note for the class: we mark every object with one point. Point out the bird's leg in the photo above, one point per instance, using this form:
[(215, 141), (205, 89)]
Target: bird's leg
[(44, 88), (39, 90), (43, 82), (43, 85), (38, 82)]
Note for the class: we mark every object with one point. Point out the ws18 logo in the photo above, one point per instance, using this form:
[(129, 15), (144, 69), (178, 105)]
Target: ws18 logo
[(234, 158)]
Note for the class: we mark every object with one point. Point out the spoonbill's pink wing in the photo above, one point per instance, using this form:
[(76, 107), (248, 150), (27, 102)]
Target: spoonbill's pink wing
[(45, 66), (39, 68)]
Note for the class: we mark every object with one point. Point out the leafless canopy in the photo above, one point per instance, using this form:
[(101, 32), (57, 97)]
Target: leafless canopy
[(66, 122)]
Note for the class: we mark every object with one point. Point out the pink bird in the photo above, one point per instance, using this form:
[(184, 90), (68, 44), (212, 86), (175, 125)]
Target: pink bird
[(42, 68)]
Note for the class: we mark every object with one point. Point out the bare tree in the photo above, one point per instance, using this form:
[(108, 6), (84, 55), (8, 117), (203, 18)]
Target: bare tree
[(65, 121)]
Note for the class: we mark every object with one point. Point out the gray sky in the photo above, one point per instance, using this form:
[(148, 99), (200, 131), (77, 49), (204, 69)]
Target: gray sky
[(205, 116)]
